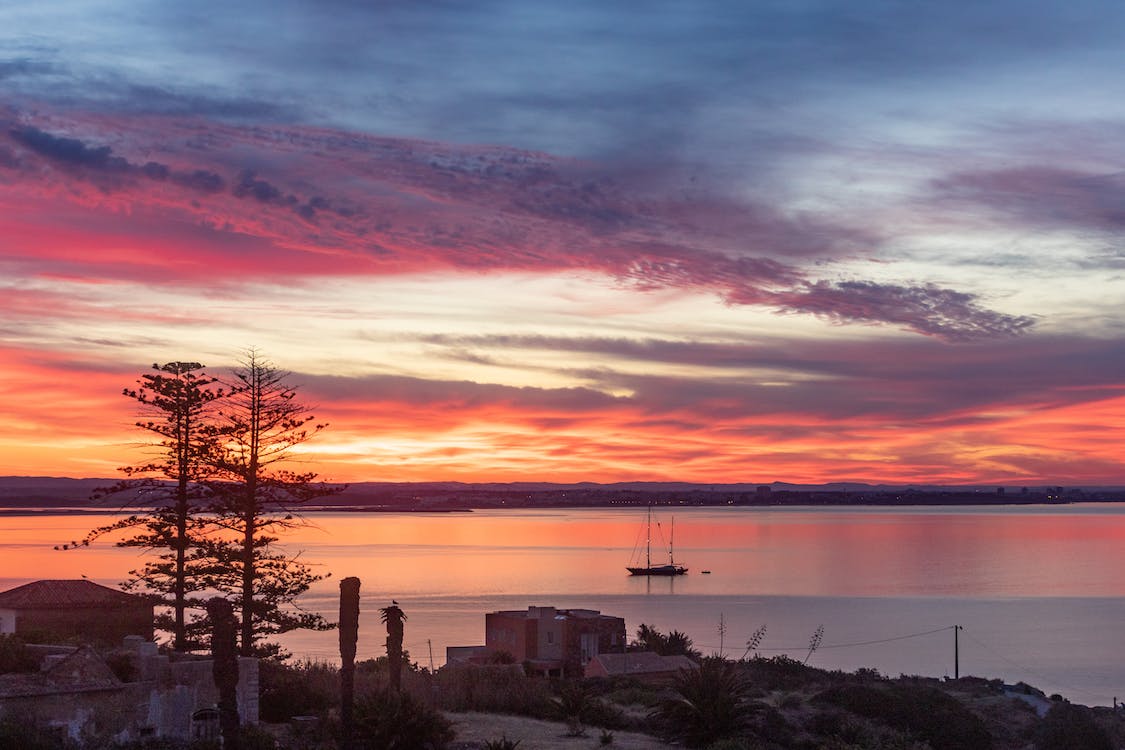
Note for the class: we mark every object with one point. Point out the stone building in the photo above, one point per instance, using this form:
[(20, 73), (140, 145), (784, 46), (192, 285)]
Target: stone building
[(150, 695), (553, 641), (55, 611)]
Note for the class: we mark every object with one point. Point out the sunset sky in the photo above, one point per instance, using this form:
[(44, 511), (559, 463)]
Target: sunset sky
[(562, 241)]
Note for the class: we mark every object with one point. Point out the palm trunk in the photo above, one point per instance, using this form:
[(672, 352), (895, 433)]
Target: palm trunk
[(349, 636)]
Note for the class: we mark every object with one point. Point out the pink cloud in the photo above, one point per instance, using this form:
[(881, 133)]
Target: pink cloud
[(283, 202)]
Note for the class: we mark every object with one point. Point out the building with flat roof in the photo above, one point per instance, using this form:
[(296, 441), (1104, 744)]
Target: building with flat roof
[(553, 641)]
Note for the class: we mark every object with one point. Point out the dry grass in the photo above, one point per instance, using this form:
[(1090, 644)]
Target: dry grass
[(536, 734)]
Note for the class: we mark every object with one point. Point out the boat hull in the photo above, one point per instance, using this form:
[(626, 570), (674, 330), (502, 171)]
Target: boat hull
[(658, 570)]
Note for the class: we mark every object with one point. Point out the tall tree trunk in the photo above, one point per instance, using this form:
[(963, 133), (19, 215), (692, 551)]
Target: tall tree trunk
[(224, 668), (349, 636), (247, 641), (179, 586)]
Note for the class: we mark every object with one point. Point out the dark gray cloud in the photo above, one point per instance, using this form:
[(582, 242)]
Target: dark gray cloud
[(908, 380), (200, 180), (70, 151), (1041, 196), (927, 308)]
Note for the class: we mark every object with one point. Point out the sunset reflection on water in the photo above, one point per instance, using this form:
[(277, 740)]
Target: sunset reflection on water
[(970, 552), (1018, 579)]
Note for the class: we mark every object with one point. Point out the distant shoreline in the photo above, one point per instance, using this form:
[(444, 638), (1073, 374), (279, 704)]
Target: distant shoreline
[(64, 495), (15, 508)]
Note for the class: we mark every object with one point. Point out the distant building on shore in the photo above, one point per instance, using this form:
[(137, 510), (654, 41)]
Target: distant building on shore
[(546, 640)]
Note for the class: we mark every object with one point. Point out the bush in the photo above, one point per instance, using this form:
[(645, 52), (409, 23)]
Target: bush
[(710, 704), (391, 720), (782, 673), (26, 735), (501, 744), (494, 688), (1070, 727), (926, 712), (302, 689), (15, 656), (575, 701)]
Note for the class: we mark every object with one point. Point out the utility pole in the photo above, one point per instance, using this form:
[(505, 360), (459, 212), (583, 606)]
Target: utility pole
[(722, 632), (956, 653)]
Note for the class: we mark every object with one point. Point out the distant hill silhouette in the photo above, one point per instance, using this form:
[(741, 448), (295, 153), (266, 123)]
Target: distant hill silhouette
[(59, 492)]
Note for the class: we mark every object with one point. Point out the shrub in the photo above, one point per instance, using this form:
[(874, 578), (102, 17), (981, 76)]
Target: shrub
[(1070, 727), (302, 689), (495, 688), (15, 656), (25, 735), (575, 701), (123, 665), (501, 744), (782, 673), (929, 713), (709, 704), (392, 720)]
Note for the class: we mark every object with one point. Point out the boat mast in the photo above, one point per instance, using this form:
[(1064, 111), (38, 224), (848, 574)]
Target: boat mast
[(672, 542), (648, 539)]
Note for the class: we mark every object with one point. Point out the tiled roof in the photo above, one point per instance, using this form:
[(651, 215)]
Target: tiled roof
[(64, 594), (79, 672), (643, 662)]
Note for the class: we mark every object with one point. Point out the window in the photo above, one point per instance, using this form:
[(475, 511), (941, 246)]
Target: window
[(550, 636)]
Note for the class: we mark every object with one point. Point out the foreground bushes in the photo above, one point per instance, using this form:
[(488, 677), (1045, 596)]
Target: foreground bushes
[(493, 689), (393, 720), (925, 712)]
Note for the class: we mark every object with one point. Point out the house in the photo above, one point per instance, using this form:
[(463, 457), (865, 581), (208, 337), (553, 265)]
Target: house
[(77, 694), (553, 641), (65, 610), (647, 666)]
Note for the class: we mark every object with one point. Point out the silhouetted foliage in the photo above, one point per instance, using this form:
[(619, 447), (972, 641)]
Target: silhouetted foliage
[(29, 735), (1070, 727), (302, 689), (501, 744), (494, 688), (394, 617), (15, 656), (709, 704), (257, 426), (675, 643), (394, 720), (926, 712), (575, 701), (175, 402)]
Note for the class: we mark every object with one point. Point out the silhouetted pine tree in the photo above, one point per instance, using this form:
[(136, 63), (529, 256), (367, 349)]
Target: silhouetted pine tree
[(175, 403), (254, 497)]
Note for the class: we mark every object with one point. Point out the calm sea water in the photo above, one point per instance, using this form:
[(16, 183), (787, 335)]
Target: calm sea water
[(1039, 590)]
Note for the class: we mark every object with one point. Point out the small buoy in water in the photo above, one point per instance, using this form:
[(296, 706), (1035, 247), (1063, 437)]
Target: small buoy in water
[(706, 572)]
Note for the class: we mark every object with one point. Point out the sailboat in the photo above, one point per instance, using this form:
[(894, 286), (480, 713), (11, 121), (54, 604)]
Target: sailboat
[(668, 569)]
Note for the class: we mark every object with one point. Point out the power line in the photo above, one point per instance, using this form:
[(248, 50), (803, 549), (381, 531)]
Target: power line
[(861, 643), (1034, 673)]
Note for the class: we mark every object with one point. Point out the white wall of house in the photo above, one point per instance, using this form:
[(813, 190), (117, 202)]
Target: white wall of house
[(7, 621)]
